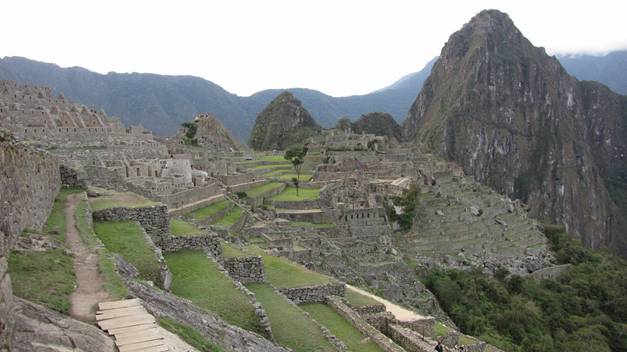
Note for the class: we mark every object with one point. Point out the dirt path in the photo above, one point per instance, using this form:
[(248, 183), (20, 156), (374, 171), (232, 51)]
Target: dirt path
[(90, 290), (400, 313)]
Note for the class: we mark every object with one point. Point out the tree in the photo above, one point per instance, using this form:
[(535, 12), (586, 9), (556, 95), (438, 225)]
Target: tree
[(296, 156)]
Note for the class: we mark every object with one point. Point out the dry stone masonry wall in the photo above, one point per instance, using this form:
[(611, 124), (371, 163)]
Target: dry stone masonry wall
[(29, 182), (246, 269), (314, 294), (153, 219)]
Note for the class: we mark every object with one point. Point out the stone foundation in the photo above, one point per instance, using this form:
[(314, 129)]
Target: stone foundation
[(313, 294), (409, 339), (72, 178)]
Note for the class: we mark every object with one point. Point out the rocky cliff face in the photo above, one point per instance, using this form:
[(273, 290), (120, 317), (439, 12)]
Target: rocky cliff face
[(378, 123), (208, 132), (282, 123), (515, 120)]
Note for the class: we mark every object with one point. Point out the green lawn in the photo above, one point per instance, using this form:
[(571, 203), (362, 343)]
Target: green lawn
[(289, 194), (126, 238), (196, 277), (260, 190), (273, 167), (230, 218), (210, 210), (290, 326), (112, 199), (230, 251), (113, 283), (283, 273), (340, 327), (189, 335), (311, 224), (44, 277), (183, 228), (440, 329), (290, 176), (56, 220), (356, 299)]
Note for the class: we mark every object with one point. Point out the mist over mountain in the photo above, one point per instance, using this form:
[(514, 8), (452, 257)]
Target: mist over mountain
[(610, 69), (161, 102)]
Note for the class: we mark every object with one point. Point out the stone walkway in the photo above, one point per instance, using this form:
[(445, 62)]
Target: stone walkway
[(89, 290), (400, 313)]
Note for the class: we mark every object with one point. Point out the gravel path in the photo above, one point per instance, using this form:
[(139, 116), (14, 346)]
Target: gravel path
[(402, 314)]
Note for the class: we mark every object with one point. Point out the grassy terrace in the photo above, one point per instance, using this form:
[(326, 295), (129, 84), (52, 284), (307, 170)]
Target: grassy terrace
[(210, 210), (230, 218), (260, 190), (340, 327), (290, 326), (288, 177), (280, 272), (356, 299), (43, 277), (289, 194), (197, 278), (183, 228), (311, 224), (112, 199), (127, 239)]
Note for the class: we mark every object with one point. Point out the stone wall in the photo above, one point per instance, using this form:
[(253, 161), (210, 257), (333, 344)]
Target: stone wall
[(29, 182), (209, 243), (551, 272), (371, 309), (409, 339), (307, 204), (73, 178), (314, 294), (245, 186), (192, 195), (424, 327), (375, 335), (260, 199), (153, 219), (246, 269)]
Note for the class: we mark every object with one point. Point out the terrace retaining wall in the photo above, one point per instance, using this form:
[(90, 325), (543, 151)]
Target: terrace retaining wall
[(375, 335), (314, 294), (153, 219), (246, 269), (208, 243)]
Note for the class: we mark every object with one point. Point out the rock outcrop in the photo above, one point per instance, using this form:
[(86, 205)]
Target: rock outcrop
[(282, 123), (516, 121), (378, 123), (207, 131)]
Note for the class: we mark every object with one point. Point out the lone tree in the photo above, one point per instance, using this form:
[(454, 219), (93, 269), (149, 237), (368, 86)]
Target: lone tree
[(296, 156)]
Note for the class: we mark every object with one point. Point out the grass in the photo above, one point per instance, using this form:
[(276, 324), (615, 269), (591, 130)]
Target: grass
[(283, 273), (311, 224), (230, 251), (56, 223), (340, 327), (113, 199), (440, 329), (290, 326), (113, 283), (272, 167), (183, 228), (189, 335), (356, 299), (127, 239), (210, 210), (289, 177), (45, 277), (197, 278), (230, 218), (263, 189), (289, 194)]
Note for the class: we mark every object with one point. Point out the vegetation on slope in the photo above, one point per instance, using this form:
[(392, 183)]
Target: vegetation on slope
[(210, 210), (340, 327), (183, 228), (290, 326), (56, 222), (407, 202), (127, 239), (197, 278), (43, 277), (289, 194), (585, 309), (189, 335)]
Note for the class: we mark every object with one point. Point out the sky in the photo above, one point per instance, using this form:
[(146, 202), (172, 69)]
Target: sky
[(340, 47)]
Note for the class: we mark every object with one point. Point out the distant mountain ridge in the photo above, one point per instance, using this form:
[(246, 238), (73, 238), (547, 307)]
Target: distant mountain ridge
[(161, 103), (610, 69)]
